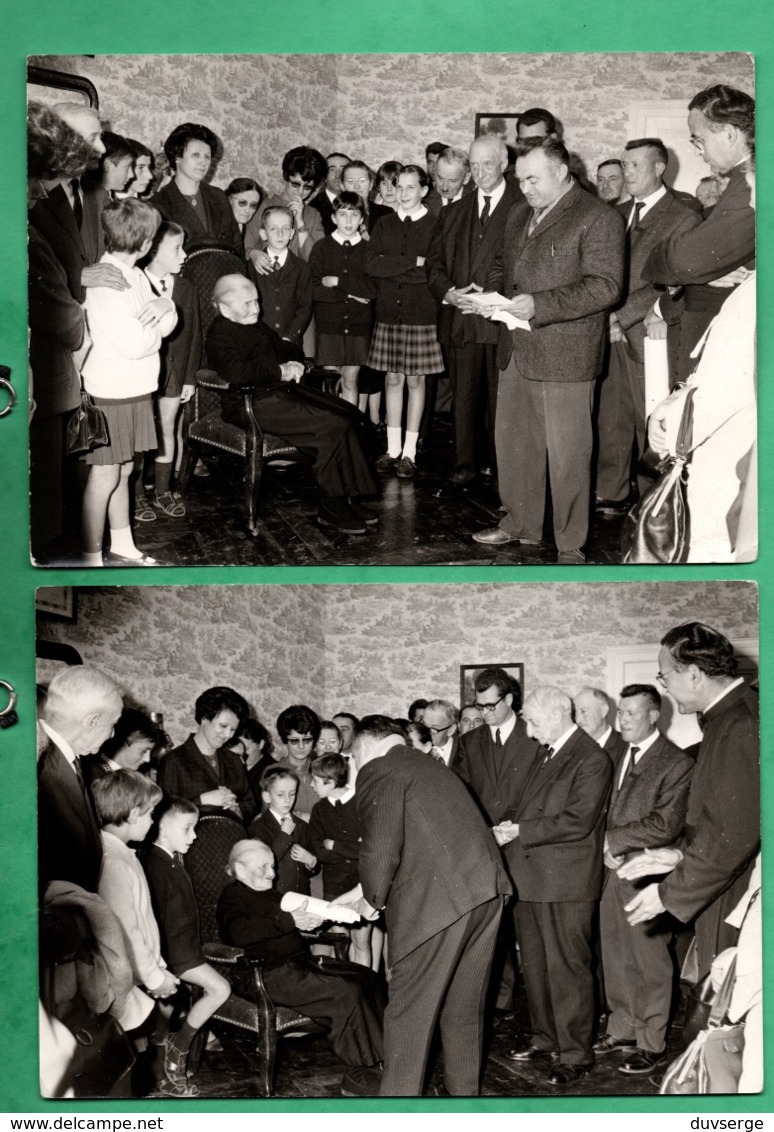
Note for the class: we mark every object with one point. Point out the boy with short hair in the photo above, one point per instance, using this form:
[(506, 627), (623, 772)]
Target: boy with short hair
[(177, 916), (124, 802), (286, 835), (287, 292)]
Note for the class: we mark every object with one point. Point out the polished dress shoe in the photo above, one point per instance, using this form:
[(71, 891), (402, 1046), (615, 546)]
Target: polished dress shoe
[(567, 1074), (529, 1053), (338, 514), (571, 558), (387, 463), (609, 1044), (495, 536), (406, 469), (641, 1062), (612, 506)]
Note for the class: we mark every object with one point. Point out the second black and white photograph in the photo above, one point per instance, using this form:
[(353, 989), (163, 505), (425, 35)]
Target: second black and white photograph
[(281, 856)]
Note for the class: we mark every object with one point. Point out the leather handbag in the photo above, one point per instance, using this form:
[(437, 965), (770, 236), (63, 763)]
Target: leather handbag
[(712, 1063), (87, 427), (657, 528)]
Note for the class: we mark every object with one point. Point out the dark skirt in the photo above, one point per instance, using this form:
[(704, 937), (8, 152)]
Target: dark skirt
[(131, 429), (405, 349), (341, 349)]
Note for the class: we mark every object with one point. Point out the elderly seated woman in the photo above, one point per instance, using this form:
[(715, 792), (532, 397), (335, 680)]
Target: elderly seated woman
[(346, 998), (245, 351)]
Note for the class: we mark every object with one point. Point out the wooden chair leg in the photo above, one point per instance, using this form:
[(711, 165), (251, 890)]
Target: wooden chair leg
[(253, 465), (267, 1039), (186, 467)]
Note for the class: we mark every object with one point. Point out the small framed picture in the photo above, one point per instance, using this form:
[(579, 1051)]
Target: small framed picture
[(57, 602), (469, 672), (502, 125)]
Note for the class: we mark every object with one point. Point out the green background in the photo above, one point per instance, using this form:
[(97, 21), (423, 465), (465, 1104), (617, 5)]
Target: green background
[(252, 26)]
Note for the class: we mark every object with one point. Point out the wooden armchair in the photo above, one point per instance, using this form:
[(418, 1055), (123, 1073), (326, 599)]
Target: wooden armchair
[(205, 430)]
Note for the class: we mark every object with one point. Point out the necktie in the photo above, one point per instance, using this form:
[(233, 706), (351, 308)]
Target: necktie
[(407, 220), (701, 719), (498, 738), (162, 284), (628, 764), (484, 217), (347, 243), (549, 756), (77, 202), (276, 264), (636, 215), (79, 775)]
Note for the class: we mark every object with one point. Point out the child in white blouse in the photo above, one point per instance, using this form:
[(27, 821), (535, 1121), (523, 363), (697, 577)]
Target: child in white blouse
[(121, 373)]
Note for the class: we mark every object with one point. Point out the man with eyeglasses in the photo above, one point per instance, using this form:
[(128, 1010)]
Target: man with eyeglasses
[(715, 256), (493, 760), (441, 718), (709, 872)]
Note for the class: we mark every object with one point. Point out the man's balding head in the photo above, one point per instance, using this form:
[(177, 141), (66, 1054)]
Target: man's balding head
[(592, 708), (83, 705)]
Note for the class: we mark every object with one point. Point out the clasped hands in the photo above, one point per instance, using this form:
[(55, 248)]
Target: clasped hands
[(222, 797), (505, 832), (292, 371)]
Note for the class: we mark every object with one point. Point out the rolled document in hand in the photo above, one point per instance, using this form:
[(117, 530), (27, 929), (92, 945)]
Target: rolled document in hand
[(656, 373), (338, 913)]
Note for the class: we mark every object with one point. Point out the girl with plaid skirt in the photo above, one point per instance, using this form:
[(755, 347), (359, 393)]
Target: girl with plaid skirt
[(404, 341)]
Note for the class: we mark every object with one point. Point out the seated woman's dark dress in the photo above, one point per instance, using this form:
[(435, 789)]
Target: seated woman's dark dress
[(320, 426), (346, 998)]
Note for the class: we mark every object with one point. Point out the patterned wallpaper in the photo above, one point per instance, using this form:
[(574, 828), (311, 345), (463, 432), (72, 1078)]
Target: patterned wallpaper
[(378, 107), (374, 647)]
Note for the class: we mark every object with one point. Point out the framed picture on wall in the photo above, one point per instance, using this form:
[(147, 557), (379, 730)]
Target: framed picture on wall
[(57, 601), (502, 125), (469, 672)]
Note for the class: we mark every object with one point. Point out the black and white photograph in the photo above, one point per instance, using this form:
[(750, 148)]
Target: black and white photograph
[(507, 336), (280, 857)]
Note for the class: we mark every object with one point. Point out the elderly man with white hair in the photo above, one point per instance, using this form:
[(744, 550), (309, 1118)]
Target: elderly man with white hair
[(81, 709), (592, 710), (554, 836)]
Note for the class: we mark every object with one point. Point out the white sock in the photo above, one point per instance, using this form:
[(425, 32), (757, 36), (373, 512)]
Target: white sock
[(121, 542), (93, 559), (410, 445), (393, 441)]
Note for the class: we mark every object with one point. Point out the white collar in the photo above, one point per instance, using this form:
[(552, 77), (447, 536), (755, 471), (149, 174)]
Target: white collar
[(420, 212), (494, 197), (345, 797), (604, 736), (281, 817), (60, 742), (644, 745), (560, 742), (342, 240), (505, 728), (279, 256), (647, 202), (739, 680)]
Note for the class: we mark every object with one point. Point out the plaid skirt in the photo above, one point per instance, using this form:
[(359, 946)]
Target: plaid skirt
[(405, 349), (131, 428)]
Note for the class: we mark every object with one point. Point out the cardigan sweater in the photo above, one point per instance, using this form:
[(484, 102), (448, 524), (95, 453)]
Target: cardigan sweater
[(335, 309), (403, 296)]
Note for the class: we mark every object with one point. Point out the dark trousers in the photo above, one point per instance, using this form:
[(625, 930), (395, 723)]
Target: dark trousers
[(346, 998), (473, 376), (537, 420), (324, 428), (443, 980), (621, 422), (556, 961), (638, 969)]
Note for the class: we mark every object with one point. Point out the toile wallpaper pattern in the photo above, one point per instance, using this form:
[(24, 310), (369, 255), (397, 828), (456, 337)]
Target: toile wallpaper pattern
[(373, 648), (382, 107)]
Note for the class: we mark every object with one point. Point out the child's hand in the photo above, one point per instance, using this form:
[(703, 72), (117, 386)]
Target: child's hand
[(153, 311), (168, 987), (330, 280), (187, 394), (328, 843), (298, 853)]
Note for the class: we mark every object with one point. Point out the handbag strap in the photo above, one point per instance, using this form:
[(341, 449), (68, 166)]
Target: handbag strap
[(685, 432)]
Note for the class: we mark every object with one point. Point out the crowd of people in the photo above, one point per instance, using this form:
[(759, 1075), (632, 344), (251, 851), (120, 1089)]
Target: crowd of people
[(493, 851), (544, 299)]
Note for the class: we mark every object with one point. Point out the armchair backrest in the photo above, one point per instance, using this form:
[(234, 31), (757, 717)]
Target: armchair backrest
[(207, 261)]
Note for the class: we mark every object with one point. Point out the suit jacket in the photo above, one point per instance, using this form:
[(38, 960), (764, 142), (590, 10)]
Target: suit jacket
[(69, 842), (667, 217), (615, 745), (287, 298), (426, 855), (185, 771), (74, 248), (573, 266), (648, 811), (292, 876), (722, 823), (174, 906), (495, 790), (561, 817), (724, 241), (220, 220), (57, 325), (181, 351), (450, 263)]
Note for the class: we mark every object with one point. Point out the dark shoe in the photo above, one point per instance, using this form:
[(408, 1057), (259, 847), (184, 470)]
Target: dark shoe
[(609, 1044), (571, 558), (361, 1081), (114, 559), (143, 512), (406, 469), (369, 517), (567, 1074), (386, 462), (612, 507), (529, 1053), (462, 476), (641, 1063), (171, 506), (487, 473), (337, 513), (495, 536)]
